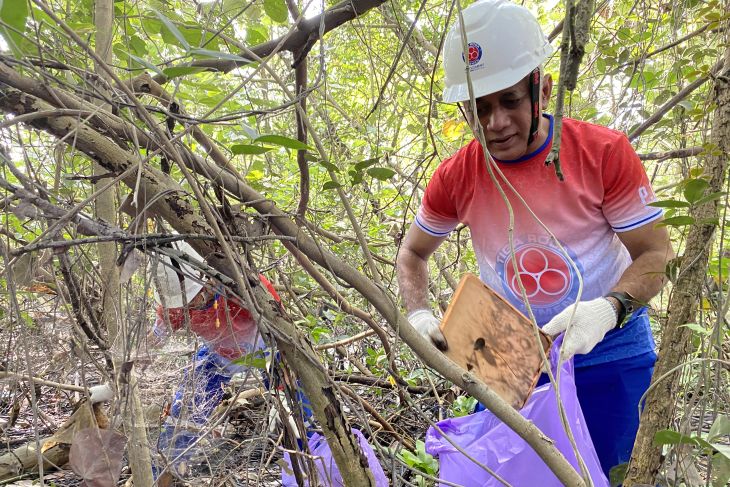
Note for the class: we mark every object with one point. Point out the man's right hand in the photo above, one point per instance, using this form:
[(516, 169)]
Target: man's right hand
[(427, 325)]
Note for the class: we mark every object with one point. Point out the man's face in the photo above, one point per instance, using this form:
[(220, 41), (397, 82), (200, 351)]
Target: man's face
[(506, 117)]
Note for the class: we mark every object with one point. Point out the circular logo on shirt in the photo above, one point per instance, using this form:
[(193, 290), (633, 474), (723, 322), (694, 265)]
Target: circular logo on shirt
[(475, 53), (543, 272), (549, 280)]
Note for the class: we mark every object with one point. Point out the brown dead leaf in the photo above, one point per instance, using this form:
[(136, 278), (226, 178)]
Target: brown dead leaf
[(96, 456)]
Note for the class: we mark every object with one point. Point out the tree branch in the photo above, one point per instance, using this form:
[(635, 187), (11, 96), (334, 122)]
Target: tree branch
[(684, 93), (305, 34), (672, 154), (177, 208)]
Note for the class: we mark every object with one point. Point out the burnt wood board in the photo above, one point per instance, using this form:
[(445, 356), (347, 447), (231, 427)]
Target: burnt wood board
[(494, 341)]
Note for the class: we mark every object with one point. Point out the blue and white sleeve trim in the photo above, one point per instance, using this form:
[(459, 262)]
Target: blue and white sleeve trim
[(419, 223), (639, 222)]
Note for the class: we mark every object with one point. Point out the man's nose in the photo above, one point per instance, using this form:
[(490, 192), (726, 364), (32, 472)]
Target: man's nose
[(496, 120)]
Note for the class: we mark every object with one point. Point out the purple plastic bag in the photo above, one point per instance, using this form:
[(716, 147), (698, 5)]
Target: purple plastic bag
[(327, 471), (493, 444)]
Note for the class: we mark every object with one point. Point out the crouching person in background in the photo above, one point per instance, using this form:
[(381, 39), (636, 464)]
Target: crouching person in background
[(186, 300)]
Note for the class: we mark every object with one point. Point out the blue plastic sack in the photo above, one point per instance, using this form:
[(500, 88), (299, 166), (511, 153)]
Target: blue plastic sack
[(493, 444), (327, 471)]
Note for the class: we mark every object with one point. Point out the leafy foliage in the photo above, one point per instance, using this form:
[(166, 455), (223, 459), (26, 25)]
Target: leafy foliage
[(376, 131)]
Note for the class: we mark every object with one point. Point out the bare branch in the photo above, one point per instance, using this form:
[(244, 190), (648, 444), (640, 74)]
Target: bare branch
[(672, 154), (306, 33), (674, 101)]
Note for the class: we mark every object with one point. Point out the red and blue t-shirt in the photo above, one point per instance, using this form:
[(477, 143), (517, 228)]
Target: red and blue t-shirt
[(226, 326), (605, 192)]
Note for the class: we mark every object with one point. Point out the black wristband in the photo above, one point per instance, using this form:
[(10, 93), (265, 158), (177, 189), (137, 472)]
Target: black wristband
[(628, 305)]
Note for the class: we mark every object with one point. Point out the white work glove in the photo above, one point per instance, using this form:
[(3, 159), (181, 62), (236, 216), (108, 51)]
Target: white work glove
[(427, 325), (590, 323)]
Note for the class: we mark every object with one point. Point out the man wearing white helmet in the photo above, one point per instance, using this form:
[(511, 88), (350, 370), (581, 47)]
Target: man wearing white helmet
[(185, 298), (599, 215)]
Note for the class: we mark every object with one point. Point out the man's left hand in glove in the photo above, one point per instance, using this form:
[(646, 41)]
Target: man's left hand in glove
[(590, 323)]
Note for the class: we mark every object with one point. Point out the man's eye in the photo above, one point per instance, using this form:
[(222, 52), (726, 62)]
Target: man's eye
[(482, 110), (511, 103)]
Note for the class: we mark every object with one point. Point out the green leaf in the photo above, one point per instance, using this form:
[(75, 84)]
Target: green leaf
[(13, 13), (249, 149), (381, 173), (669, 437), (723, 450), (366, 163), (669, 204), (677, 221), (138, 45), (720, 427), (140, 61), (617, 474), (672, 268), (255, 359), (256, 34), (318, 332), (694, 189), (282, 141), (720, 470), (355, 176), (330, 185), (697, 328), (207, 53), (276, 10), (172, 29), (710, 197), (329, 166), (176, 71), (311, 158)]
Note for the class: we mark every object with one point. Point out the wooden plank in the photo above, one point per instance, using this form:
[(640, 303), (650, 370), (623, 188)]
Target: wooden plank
[(490, 338)]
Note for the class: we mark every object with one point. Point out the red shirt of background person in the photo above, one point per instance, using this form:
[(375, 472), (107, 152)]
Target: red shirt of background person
[(226, 326)]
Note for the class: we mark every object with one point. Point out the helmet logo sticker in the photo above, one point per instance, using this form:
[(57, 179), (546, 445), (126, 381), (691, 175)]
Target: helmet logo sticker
[(475, 55)]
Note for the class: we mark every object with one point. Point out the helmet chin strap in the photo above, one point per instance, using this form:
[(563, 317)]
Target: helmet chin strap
[(534, 104)]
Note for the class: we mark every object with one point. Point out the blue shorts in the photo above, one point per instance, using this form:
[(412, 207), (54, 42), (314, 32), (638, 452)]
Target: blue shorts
[(609, 395)]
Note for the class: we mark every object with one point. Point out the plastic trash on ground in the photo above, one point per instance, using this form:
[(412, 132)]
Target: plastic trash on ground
[(327, 471), (493, 444)]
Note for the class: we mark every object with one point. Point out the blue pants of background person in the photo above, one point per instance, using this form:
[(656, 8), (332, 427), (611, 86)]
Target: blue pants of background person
[(609, 395), (200, 391)]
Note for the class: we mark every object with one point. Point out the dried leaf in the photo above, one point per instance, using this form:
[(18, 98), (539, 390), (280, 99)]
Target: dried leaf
[(24, 269), (96, 456), (131, 264)]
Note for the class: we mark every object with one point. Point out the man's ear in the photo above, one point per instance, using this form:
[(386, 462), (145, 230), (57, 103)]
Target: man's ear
[(546, 91)]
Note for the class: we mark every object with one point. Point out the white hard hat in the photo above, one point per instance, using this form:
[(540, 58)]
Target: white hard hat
[(505, 44), (168, 279)]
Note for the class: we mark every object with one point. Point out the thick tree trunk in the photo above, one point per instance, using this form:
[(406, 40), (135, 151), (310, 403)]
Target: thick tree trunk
[(675, 346), (120, 338)]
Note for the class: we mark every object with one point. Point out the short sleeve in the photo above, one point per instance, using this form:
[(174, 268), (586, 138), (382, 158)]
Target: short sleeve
[(437, 214), (627, 191), (270, 287)]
